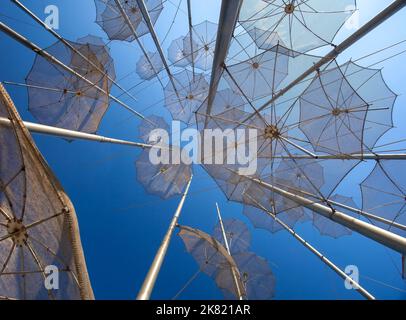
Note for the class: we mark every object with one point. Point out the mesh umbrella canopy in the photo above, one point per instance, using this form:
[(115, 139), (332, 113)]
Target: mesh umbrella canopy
[(38, 226), (60, 98), (189, 94), (110, 19), (203, 45), (164, 180), (260, 76), (384, 193), (333, 114), (146, 70), (346, 109), (213, 259), (372, 88), (265, 39), (302, 25), (177, 54), (148, 125), (237, 234), (256, 276)]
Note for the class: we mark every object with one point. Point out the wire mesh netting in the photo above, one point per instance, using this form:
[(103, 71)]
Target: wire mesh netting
[(200, 51), (237, 234), (186, 95), (60, 98), (111, 19), (302, 25), (147, 70), (213, 259), (38, 226)]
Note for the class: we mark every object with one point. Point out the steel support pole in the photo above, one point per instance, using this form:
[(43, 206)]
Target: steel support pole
[(323, 258), (229, 13), (365, 156), (223, 231), (73, 135), (189, 14), (349, 208), (60, 38), (150, 279), (360, 33), (132, 28), (147, 18), (28, 44), (387, 238)]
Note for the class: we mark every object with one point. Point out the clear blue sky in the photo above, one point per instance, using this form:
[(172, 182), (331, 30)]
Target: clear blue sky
[(122, 226)]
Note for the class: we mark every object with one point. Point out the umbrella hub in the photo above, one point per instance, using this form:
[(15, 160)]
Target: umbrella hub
[(206, 47), (289, 8), (190, 96), (271, 132), (255, 65), (17, 231), (337, 111)]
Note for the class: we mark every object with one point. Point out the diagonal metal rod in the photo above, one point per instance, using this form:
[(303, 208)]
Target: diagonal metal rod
[(322, 257), (360, 33), (223, 231), (147, 19), (360, 156), (387, 238), (72, 134), (132, 28), (67, 43), (363, 213), (42, 52), (229, 13), (189, 14), (17, 84), (150, 279)]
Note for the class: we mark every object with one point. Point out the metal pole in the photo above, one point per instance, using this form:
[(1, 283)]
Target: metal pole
[(189, 14), (229, 13), (150, 279), (60, 38), (307, 245), (360, 33), (387, 238), (227, 246), (74, 135), (147, 18), (365, 156), (25, 42), (349, 208)]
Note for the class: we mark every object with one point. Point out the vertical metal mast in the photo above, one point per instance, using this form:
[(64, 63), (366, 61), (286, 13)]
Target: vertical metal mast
[(360, 33), (227, 247), (150, 279), (329, 263), (60, 38), (189, 14), (28, 44), (147, 18), (229, 13)]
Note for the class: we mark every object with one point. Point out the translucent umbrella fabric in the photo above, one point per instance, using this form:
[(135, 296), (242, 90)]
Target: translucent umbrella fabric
[(59, 98), (38, 226), (213, 259), (302, 25), (110, 19)]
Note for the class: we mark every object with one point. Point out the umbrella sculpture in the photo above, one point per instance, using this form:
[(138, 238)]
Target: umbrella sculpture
[(38, 225), (316, 120)]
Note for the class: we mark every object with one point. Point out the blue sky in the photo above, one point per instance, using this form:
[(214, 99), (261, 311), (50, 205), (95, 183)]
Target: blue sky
[(122, 226)]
